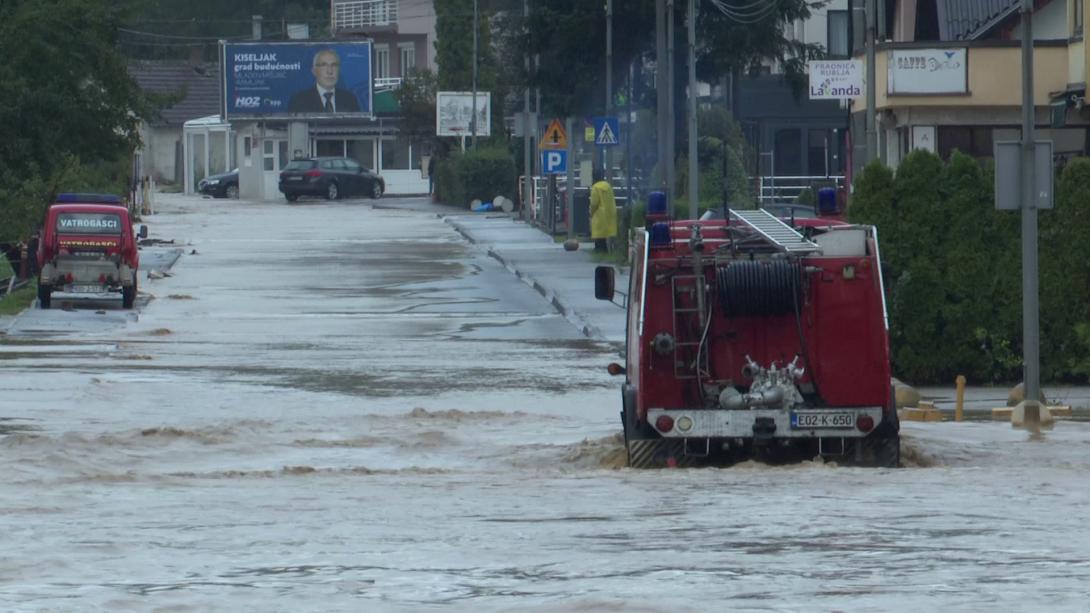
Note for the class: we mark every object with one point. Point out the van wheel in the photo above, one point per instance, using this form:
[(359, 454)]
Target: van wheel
[(45, 296), (331, 192), (128, 295)]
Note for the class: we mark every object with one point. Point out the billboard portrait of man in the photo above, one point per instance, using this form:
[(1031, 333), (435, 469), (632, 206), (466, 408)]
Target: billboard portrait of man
[(324, 96)]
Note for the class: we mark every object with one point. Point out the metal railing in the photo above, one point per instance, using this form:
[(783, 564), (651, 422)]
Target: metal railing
[(358, 14), (773, 188), (387, 82)]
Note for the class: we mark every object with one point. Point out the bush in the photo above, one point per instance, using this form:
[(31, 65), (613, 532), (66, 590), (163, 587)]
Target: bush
[(483, 174), (953, 267)]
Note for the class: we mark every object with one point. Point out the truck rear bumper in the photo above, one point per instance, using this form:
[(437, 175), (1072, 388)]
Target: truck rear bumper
[(832, 422), (87, 272)]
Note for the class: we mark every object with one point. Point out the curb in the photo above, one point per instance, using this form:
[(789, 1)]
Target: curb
[(561, 307)]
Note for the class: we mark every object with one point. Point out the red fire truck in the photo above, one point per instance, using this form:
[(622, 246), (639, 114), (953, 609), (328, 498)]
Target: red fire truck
[(87, 245), (749, 337)]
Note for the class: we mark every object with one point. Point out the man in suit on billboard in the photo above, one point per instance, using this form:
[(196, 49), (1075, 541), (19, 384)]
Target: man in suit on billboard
[(325, 96)]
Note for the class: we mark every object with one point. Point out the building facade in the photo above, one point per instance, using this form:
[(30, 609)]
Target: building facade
[(949, 77)]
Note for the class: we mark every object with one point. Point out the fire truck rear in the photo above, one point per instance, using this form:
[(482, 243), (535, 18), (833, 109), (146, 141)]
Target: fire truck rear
[(87, 246), (751, 338)]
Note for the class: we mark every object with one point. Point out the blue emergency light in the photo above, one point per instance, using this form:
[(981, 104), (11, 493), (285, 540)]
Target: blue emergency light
[(73, 197)]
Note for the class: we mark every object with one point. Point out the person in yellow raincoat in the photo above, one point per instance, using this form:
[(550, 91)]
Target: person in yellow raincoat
[(603, 211)]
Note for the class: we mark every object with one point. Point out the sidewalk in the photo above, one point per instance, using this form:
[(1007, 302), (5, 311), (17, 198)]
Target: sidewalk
[(564, 278)]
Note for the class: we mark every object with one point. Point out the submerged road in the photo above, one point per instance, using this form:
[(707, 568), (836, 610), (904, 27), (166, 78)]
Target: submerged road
[(336, 407)]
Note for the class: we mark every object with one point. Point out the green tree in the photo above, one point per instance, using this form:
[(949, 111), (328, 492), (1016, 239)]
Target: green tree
[(568, 37), (67, 99), (416, 99)]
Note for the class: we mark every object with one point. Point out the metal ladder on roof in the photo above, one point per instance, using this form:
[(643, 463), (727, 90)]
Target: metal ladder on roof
[(783, 236)]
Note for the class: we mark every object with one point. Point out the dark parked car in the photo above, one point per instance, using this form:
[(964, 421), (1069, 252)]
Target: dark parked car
[(329, 177), (220, 186)]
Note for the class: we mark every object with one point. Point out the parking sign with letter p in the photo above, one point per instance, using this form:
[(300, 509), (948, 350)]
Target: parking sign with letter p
[(554, 161)]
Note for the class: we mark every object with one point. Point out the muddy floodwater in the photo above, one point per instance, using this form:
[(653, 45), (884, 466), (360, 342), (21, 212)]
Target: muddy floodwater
[(335, 407)]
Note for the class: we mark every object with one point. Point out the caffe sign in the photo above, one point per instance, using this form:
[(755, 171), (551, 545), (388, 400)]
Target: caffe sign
[(928, 71)]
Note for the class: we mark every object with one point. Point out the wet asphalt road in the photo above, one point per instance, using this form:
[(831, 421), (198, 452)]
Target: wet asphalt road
[(331, 407)]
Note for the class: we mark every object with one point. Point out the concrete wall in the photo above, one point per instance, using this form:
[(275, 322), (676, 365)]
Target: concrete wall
[(418, 17), (158, 152)]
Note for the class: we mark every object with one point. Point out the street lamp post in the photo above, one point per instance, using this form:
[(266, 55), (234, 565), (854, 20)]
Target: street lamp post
[(473, 116)]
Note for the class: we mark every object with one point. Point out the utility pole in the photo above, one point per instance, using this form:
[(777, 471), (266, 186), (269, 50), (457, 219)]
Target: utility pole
[(670, 123), (872, 135), (473, 117), (1030, 323), (606, 157), (527, 157), (694, 195), (661, 86)]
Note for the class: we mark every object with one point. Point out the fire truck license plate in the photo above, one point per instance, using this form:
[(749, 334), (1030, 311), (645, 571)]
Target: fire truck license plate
[(83, 289), (822, 419)]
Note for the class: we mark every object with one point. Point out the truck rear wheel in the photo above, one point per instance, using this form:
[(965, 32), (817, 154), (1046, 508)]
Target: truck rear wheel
[(45, 296), (128, 294), (645, 447)]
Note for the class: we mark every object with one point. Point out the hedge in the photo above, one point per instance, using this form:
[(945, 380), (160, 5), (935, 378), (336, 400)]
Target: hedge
[(953, 270), (482, 174)]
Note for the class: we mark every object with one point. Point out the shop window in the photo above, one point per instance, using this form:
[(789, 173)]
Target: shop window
[(363, 151), (397, 155), (330, 148)]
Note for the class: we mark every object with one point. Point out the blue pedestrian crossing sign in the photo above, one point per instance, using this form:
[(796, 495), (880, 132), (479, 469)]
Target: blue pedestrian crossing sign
[(554, 161), (607, 131)]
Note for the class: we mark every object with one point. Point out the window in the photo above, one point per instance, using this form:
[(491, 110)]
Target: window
[(363, 151), (382, 61), (247, 146), (1076, 29), (974, 141), (408, 58), (817, 153), (330, 148), (269, 154), (396, 155), (838, 34)]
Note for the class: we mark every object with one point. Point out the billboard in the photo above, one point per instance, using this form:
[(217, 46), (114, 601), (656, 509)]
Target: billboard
[(453, 111), (835, 79), (296, 79)]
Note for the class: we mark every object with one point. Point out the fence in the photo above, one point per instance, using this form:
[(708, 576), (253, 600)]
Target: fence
[(772, 189)]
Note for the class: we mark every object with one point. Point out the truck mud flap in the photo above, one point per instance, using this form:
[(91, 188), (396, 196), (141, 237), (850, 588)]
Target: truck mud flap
[(660, 453)]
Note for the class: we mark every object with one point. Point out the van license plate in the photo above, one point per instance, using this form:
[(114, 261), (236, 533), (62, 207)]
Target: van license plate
[(816, 420)]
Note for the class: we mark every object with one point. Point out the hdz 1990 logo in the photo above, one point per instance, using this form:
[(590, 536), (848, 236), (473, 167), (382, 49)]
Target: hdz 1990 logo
[(247, 102)]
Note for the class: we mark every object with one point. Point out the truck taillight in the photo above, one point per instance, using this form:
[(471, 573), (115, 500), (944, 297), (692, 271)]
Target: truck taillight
[(664, 423), (69, 278), (865, 423)]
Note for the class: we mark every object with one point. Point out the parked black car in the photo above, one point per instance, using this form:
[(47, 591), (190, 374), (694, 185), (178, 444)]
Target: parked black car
[(331, 177), (223, 185)]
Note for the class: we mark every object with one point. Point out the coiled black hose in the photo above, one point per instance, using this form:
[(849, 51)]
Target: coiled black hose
[(764, 287)]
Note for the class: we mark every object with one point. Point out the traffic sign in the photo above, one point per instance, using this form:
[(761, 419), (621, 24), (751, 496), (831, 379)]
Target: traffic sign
[(555, 136), (607, 131), (554, 161)]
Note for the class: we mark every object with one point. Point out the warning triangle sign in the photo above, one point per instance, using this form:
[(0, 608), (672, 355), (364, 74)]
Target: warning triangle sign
[(555, 137), (606, 136)]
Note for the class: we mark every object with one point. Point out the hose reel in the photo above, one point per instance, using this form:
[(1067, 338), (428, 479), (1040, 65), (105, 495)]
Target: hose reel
[(759, 287)]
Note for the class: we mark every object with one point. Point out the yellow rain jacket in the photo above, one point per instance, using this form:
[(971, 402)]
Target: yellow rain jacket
[(603, 211)]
